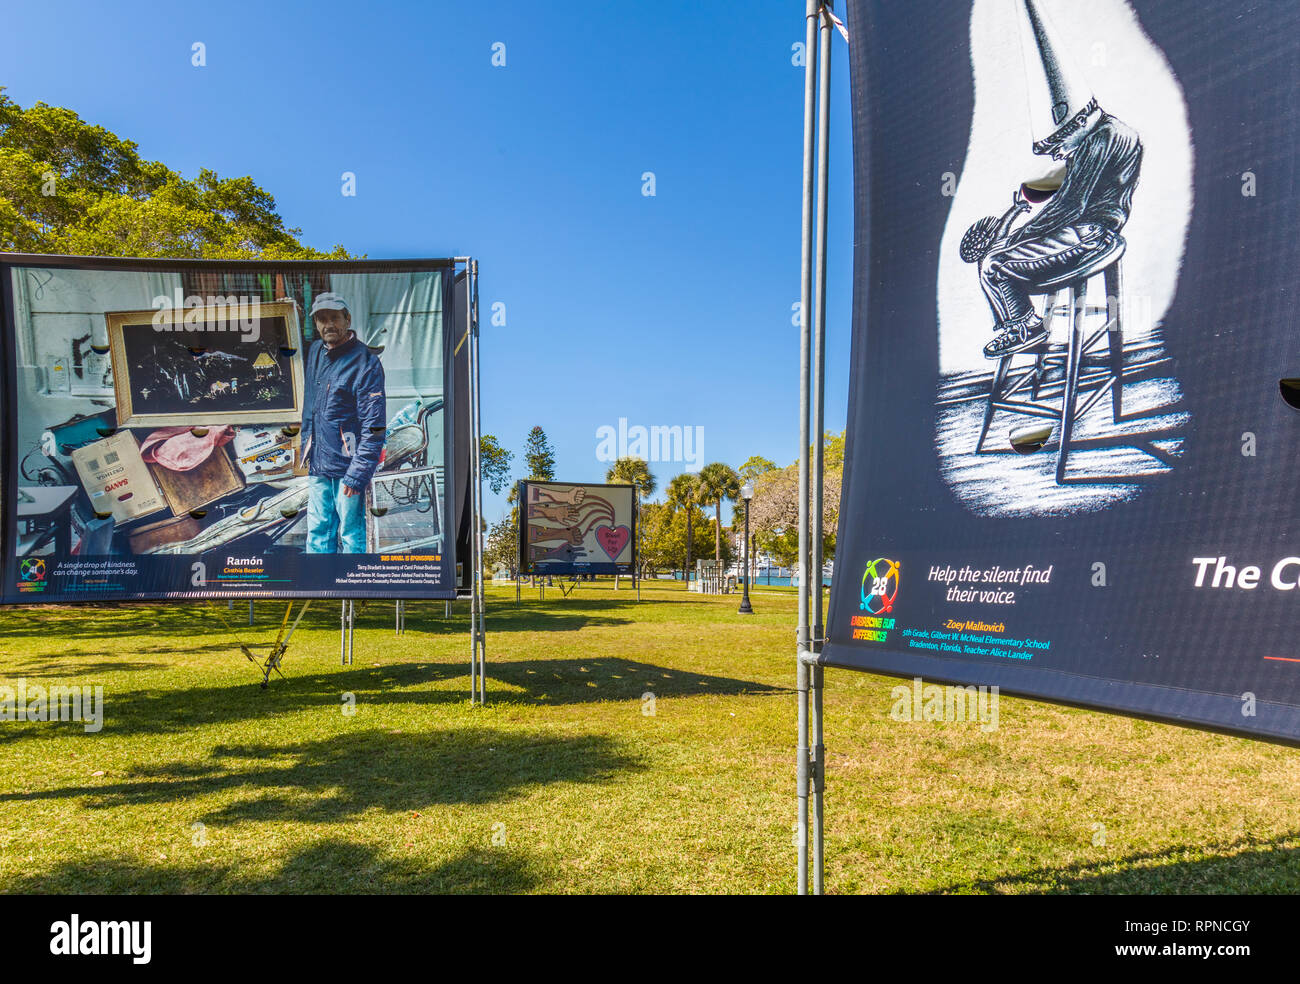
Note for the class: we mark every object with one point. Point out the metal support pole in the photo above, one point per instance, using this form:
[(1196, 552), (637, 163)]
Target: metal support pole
[(477, 629), (745, 607), (819, 330), (817, 755), (473, 492), (343, 634), (802, 773), (812, 10), (352, 627), (819, 417), (478, 490)]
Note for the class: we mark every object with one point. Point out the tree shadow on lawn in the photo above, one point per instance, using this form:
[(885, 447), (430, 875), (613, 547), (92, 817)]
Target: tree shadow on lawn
[(326, 867), (64, 663), (65, 666), (542, 682), (94, 621), (1256, 866), (511, 619), (190, 621), (337, 779), (579, 681)]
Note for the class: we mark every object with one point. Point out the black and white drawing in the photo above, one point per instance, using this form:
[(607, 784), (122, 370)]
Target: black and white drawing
[(1056, 395)]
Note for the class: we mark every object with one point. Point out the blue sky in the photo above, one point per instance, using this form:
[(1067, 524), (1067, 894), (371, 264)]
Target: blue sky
[(666, 310)]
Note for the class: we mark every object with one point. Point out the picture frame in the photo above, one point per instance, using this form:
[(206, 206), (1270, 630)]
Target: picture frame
[(393, 495), (577, 528), (223, 363)]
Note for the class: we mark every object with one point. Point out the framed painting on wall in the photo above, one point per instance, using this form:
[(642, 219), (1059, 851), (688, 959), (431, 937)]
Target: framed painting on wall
[(229, 363)]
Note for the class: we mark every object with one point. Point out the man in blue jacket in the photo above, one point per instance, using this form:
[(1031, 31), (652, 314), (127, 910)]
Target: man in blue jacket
[(343, 424)]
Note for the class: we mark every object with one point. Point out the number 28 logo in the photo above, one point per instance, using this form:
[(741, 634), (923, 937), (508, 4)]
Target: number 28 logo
[(880, 586)]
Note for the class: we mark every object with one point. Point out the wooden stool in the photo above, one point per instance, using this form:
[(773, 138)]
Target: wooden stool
[(1010, 381)]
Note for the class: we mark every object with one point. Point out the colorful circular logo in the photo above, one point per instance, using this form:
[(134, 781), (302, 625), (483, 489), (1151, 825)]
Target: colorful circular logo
[(880, 586), (32, 569)]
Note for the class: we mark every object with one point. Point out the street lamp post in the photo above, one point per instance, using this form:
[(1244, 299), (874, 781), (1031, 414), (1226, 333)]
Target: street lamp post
[(746, 493)]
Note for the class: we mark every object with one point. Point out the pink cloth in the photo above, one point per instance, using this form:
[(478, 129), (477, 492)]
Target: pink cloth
[(179, 449)]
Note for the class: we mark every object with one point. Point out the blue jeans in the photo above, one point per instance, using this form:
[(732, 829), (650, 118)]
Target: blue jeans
[(336, 523)]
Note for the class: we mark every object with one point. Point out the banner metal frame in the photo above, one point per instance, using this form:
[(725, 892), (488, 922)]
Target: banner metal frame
[(810, 772)]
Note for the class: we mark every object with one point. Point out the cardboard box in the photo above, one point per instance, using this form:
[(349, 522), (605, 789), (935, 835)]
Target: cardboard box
[(117, 479), (265, 454), (175, 530), (216, 478)]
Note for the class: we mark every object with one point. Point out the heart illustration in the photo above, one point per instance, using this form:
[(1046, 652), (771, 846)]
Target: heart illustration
[(613, 539)]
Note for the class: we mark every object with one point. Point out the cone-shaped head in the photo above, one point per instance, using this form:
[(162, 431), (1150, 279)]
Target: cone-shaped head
[(1060, 100)]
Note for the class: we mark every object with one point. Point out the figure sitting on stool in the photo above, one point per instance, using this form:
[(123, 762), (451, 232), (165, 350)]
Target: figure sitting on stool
[(1084, 214)]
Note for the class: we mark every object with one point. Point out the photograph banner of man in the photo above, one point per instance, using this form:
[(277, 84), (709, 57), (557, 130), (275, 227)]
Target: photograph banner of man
[(230, 429), (343, 428)]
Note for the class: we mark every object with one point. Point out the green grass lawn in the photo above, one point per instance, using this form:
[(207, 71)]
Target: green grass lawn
[(200, 781)]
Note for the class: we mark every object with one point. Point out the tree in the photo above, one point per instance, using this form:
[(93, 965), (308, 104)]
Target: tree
[(663, 535), (718, 482), (698, 542), (501, 548), (67, 186), (655, 533), (539, 456), (632, 471), (774, 511), (494, 460), (684, 493), (752, 469), (755, 466)]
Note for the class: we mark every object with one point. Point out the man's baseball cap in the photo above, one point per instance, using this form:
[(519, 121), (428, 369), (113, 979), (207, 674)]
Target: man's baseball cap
[(329, 301)]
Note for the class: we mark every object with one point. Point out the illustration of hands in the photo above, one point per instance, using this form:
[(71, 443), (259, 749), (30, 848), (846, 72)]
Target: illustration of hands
[(573, 497), (570, 534), (559, 512)]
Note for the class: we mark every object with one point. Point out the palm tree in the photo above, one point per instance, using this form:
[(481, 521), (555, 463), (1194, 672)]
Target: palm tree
[(634, 472), (684, 493), (717, 482)]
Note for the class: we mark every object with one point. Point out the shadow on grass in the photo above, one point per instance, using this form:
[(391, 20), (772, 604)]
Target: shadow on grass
[(63, 665), (1251, 866), (577, 681), (525, 619), (532, 683), (337, 779), (188, 621), (201, 626), (327, 867)]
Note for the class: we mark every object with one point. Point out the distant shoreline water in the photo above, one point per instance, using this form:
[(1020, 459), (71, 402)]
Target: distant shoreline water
[(762, 580)]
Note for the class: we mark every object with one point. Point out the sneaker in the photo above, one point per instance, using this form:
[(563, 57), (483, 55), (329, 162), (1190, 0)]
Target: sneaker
[(1016, 338)]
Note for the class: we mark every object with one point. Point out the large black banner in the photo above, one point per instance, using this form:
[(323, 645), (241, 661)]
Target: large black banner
[(1072, 452), (178, 429)]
